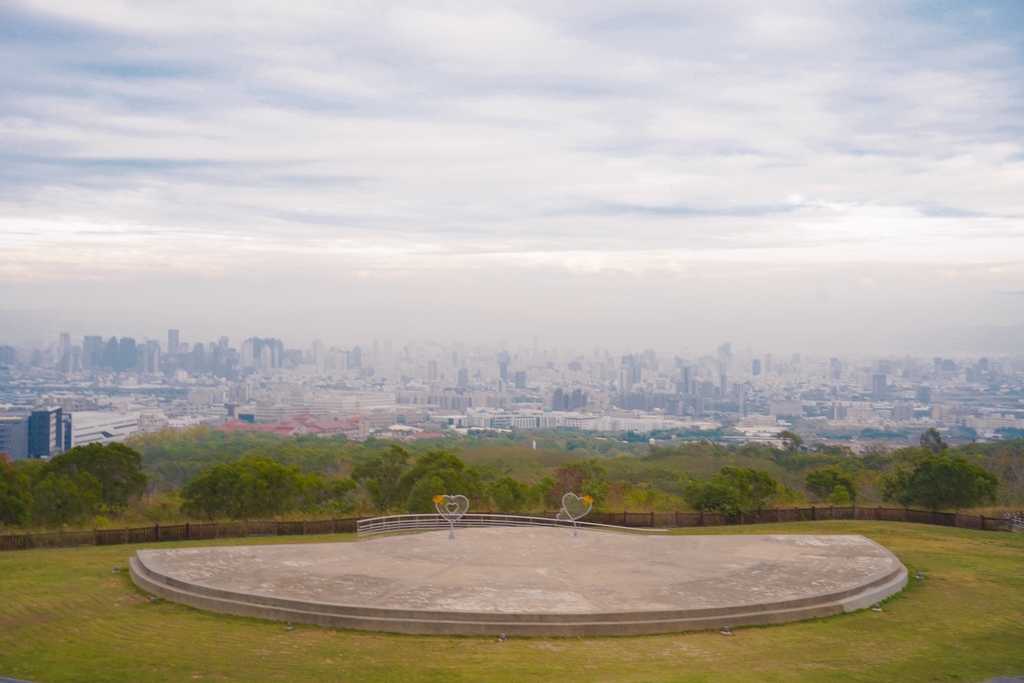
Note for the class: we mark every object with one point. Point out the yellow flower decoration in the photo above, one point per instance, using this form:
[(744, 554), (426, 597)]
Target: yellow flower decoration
[(587, 500), (438, 499)]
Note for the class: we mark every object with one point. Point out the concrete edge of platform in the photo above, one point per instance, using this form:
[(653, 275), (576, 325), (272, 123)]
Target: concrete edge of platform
[(425, 622)]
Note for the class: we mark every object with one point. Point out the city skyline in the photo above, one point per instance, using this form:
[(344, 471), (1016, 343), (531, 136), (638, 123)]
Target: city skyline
[(822, 178)]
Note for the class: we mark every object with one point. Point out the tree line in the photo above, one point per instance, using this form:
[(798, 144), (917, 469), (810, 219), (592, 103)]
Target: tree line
[(208, 475)]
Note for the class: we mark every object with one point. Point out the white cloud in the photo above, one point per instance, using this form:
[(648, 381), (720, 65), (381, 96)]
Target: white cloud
[(713, 140)]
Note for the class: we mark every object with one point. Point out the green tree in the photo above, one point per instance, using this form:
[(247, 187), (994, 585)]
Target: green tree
[(732, 490), (249, 488), (116, 467), (59, 499), (756, 487), (792, 441), (821, 483), (932, 440), (942, 483), (382, 477), (509, 494), (439, 472), (715, 496), (840, 496), (15, 494)]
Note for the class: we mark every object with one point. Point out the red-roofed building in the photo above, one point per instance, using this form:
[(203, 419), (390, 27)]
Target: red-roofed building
[(299, 424)]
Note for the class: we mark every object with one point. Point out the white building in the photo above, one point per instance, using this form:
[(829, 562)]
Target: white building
[(102, 427)]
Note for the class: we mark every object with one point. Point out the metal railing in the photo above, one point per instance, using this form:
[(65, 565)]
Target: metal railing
[(407, 523), (634, 521)]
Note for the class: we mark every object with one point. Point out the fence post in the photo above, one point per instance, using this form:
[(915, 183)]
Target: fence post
[(188, 535), (814, 514), (778, 515), (652, 519), (956, 519), (702, 518), (906, 514)]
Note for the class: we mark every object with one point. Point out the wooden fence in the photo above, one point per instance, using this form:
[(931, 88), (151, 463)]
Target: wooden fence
[(191, 531)]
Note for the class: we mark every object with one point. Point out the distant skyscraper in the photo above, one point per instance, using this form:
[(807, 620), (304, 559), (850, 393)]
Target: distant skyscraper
[(149, 357), (172, 342), (111, 354), (92, 351), (64, 353), (128, 356), (755, 367), (878, 387)]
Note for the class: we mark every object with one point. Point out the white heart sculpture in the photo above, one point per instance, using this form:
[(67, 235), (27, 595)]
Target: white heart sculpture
[(452, 507), (574, 507)]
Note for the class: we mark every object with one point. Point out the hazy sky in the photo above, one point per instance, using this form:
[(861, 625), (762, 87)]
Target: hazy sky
[(817, 175)]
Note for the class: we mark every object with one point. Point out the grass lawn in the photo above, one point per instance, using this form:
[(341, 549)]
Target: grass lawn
[(64, 616)]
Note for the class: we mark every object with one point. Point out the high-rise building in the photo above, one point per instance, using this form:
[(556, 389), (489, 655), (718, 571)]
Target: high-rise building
[(755, 367), (878, 387), (172, 342), (14, 435), (45, 432), (149, 357), (128, 355), (111, 354), (265, 353), (64, 353), (92, 351)]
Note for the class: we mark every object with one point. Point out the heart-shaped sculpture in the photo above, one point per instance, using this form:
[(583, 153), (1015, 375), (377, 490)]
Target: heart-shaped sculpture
[(451, 507), (575, 507)]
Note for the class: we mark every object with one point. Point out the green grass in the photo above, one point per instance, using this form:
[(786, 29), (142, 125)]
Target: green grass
[(64, 616)]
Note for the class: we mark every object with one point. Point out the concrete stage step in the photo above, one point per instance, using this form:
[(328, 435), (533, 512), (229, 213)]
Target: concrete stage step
[(530, 581)]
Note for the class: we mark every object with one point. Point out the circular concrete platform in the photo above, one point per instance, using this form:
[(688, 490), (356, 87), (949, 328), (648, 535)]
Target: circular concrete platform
[(531, 581)]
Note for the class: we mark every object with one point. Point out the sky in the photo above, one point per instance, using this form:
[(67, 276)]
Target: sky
[(833, 177)]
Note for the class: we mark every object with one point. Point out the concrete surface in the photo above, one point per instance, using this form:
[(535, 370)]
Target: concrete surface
[(531, 581)]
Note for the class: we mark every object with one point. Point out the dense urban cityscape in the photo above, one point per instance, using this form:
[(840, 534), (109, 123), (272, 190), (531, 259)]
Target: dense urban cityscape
[(98, 389)]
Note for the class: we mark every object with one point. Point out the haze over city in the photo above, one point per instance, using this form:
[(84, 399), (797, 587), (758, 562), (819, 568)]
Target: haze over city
[(840, 177)]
